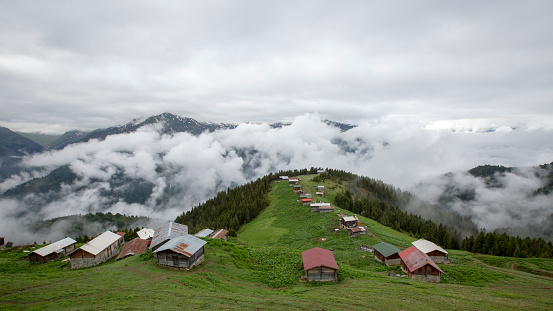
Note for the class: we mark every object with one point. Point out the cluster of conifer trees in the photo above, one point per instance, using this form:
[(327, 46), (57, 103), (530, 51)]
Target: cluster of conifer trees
[(504, 245)]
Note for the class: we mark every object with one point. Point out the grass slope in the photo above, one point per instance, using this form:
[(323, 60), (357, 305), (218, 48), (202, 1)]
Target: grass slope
[(260, 269)]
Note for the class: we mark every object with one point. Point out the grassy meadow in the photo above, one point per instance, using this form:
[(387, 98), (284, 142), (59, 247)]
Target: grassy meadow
[(260, 269)]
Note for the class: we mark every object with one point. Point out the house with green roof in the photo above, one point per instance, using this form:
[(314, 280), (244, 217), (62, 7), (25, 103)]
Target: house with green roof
[(387, 254)]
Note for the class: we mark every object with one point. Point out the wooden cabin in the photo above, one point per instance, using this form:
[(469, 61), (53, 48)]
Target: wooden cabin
[(326, 209), (320, 193), (204, 233), (293, 181), (436, 253), (348, 222), (320, 188), (53, 251), (182, 252), (96, 251), (296, 188), (306, 201), (220, 234), (283, 177), (387, 254), (356, 231), (315, 207), (169, 231), (418, 265), (319, 265), (133, 247)]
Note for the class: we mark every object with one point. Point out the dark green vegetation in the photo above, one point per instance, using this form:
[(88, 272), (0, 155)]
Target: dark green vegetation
[(261, 268), (503, 245)]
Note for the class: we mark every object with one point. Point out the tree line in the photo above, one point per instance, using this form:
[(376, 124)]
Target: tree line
[(492, 243)]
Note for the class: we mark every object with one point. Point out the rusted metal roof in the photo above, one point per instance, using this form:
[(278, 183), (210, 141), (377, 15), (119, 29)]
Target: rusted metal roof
[(414, 259), (386, 249), (426, 246), (204, 233), (358, 229), (133, 247), (186, 245), (317, 257), (100, 243), (55, 247), (221, 233), (167, 232)]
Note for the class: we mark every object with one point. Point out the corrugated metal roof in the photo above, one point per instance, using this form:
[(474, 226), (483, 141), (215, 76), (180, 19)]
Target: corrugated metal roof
[(320, 204), (145, 233), (133, 247), (426, 246), (350, 218), (186, 245), (317, 257), (169, 231), (55, 247), (204, 233), (100, 243), (386, 249), (358, 229), (415, 259), (219, 234)]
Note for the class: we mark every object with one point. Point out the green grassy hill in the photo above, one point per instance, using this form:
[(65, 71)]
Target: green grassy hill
[(260, 269)]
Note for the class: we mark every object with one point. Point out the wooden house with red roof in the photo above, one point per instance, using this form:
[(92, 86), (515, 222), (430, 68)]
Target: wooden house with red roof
[(418, 265), (319, 265), (133, 247)]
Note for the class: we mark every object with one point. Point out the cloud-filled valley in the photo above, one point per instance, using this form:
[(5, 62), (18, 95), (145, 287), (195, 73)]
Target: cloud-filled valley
[(172, 172)]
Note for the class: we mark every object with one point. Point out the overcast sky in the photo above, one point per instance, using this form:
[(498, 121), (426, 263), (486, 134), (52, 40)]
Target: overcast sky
[(91, 64)]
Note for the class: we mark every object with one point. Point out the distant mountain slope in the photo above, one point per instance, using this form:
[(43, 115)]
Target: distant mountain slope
[(13, 146)]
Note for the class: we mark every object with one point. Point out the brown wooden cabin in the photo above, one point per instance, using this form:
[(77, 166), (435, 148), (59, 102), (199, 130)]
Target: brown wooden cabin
[(356, 231), (418, 265), (96, 251), (319, 265), (347, 222), (182, 252), (436, 253), (53, 251), (296, 188), (293, 181), (387, 254), (220, 234)]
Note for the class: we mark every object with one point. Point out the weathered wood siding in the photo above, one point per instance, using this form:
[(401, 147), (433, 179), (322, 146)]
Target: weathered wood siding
[(437, 256), (424, 273), (173, 259), (321, 274)]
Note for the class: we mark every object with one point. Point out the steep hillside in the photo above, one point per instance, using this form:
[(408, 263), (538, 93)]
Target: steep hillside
[(13, 146), (261, 268)]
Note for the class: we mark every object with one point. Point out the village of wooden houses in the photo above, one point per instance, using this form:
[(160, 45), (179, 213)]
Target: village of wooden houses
[(173, 247)]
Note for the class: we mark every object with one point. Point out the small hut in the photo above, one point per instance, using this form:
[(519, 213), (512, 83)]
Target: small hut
[(306, 201), (96, 251), (347, 222), (133, 247), (418, 265), (293, 181), (296, 188), (220, 234), (356, 231), (182, 252), (319, 265), (283, 177), (436, 253), (320, 188), (387, 254), (326, 209), (315, 207), (169, 231), (53, 251)]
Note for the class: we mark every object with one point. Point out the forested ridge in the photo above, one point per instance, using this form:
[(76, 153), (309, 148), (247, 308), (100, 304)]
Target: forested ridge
[(232, 208)]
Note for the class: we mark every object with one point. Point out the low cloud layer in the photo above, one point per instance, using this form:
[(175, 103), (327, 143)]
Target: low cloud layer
[(194, 168)]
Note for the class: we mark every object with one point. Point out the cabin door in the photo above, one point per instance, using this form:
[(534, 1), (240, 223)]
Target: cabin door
[(175, 260)]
